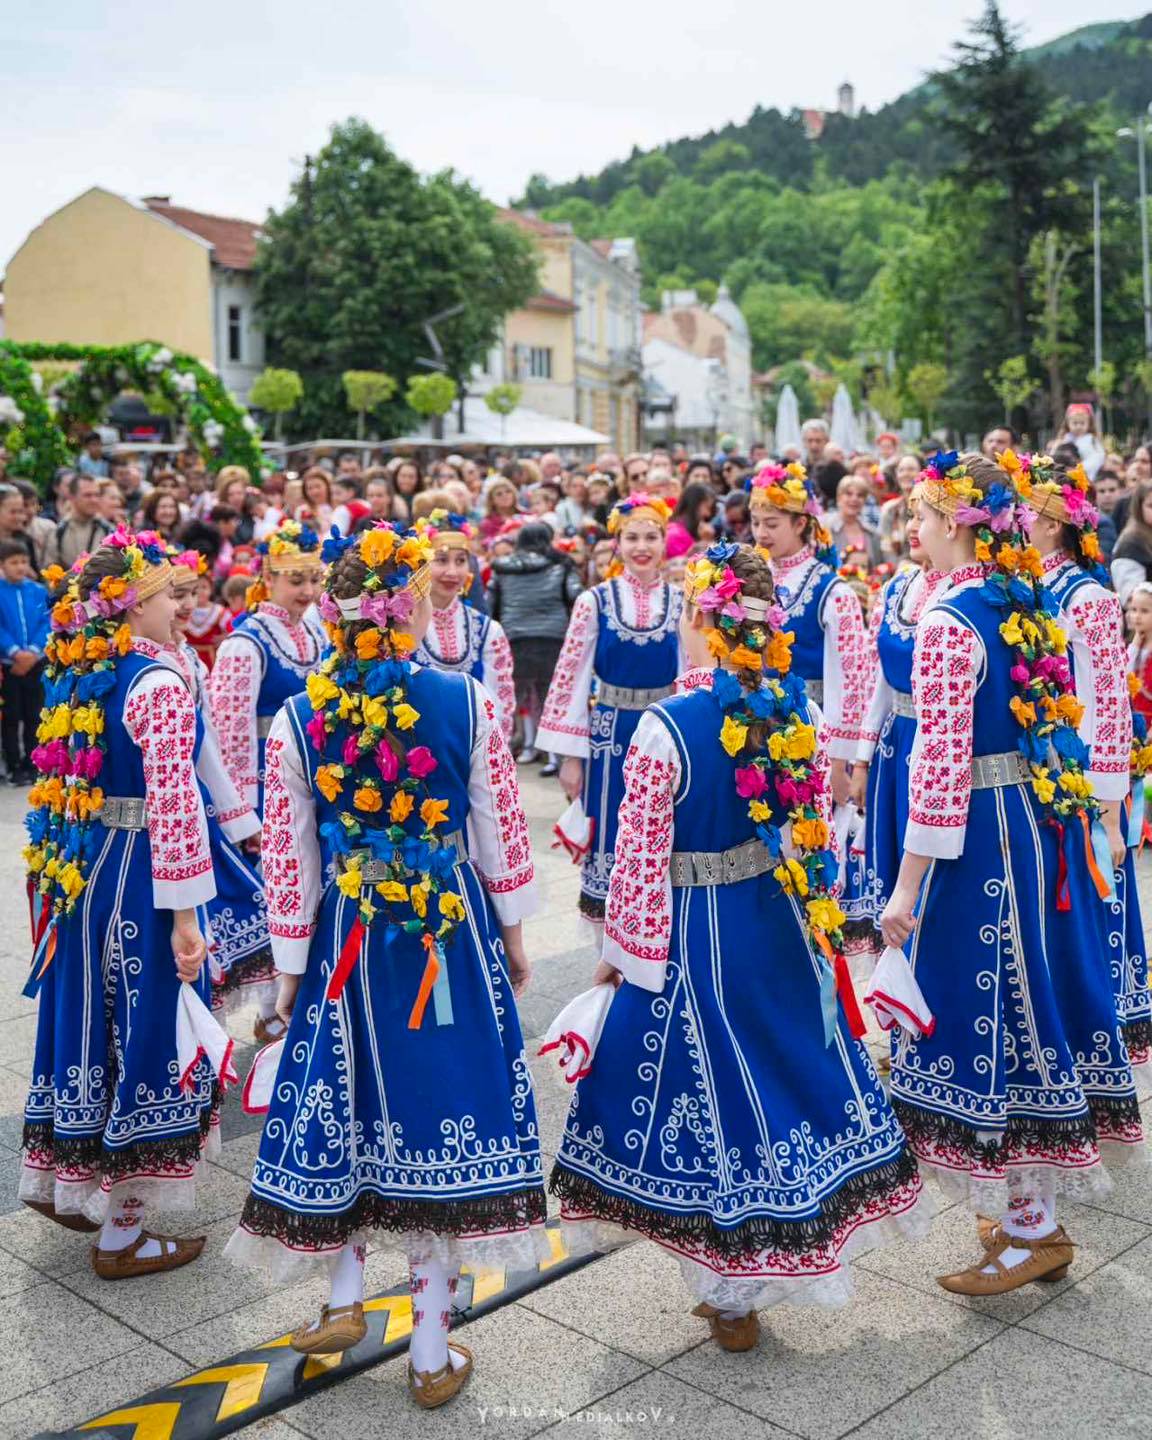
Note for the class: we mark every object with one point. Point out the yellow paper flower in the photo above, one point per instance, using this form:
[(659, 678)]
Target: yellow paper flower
[(451, 906), (1010, 631), (824, 914), (810, 834), (418, 895), (375, 711), (434, 812), (122, 640), (405, 716), (348, 882), (1070, 709), (320, 689), (392, 890), (376, 547), (1025, 713), (793, 877), (733, 735), (401, 807), (778, 655), (1042, 785), (368, 644), (760, 811), (368, 799), (746, 659)]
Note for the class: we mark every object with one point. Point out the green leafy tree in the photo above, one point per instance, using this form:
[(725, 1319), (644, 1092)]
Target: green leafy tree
[(367, 391), (502, 400), (1012, 383), (364, 254), (278, 392), (1103, 380), (723, 156), (925, 386), (652, 172), (432, 396), (1055, 294)]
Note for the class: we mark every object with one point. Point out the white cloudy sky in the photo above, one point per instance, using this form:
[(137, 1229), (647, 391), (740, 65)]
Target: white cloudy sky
[(216, 103)]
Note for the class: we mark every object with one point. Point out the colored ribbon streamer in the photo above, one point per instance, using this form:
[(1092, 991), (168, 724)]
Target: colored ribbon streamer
[(1063, 895), (1099, 856), (1136, 812), (42, 957), (828, 1002), (836, 980), (349, 954), (427, 982), (847, 995)]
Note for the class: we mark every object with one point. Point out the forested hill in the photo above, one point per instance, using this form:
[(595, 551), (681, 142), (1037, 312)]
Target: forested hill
[(1109, 61)]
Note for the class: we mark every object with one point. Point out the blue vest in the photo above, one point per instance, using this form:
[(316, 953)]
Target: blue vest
[(279, 681), (994, 727), (804, 616), (641, 659), (471, 661), (896, 638)]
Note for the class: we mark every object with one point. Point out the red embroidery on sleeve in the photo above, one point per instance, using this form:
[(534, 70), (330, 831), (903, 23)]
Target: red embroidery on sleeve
[(1099, 623), (638, 915), (161, 719), (278, 851), (233, 689), (944, 687)]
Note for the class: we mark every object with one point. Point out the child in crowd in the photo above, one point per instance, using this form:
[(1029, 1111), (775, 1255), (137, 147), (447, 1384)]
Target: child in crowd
[(23, 635), (1140, 650)]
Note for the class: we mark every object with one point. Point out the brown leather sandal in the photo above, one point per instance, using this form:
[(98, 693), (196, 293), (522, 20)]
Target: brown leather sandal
[(126, 1264), (433, 1388), (1049, 1261), (735, 1335), (72, 1221), (340, 1327), (988, 1230), (269, 1028)]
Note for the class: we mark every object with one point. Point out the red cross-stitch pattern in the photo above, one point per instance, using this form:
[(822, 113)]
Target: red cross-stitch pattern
[(161, 719), (638, 916), (944, 686), (282, 884)]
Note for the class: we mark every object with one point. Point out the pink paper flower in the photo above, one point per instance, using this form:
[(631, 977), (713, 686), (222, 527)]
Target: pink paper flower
[(386, 762), (421, 762), (729, 586), (1019, 674), (316, 732), (750, 782), (734, 610), (351, 750)]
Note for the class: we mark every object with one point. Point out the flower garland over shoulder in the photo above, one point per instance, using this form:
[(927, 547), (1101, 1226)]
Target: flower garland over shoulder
[(383, 809), (88, 638), (776, 751)]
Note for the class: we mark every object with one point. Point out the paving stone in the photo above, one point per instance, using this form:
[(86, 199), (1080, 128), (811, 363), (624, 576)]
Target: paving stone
[(47, 1333), (660, 1406), (1019, 1387), (524, 1363), (952, 1245), (820, 1373), (1106, 1312), (69, 1400), (1131, 1193)]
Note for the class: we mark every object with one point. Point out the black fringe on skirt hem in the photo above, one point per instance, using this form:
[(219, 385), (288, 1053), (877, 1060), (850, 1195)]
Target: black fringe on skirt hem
[(857, 1198), (475, 1217), (1137, 1037)]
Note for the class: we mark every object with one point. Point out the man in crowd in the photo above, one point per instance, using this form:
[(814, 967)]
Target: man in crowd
[(635, 473), (91, 460), (348, 464), (997, 440), (82, 529), (13, 514), (128, 482), (551, 467), (814, 434)]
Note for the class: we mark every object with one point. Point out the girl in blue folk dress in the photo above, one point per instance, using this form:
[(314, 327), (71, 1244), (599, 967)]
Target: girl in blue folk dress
[(1025, 1084), (119, 865), (265, 661), (235, 920), (880, 774), (1064, 532), (730, 1113), (461, 639), (398, 871), (621, 653)]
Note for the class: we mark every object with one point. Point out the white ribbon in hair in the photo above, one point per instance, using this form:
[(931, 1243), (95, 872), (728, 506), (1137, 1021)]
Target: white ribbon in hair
[(350, 608)]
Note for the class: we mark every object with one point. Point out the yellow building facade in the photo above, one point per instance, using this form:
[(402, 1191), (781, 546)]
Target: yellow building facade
[(575, 347)]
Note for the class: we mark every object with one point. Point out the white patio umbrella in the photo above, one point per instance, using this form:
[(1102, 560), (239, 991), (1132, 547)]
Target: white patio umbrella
[(845, 432), (787, 420)]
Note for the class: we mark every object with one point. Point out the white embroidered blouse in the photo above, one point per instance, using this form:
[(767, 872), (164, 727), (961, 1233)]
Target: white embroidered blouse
[(918, 595), (448, 643), (1094, 624), (848, 655), (498, 842), (160, 718), (234, 688), (236, 818), (564, 723), (638, 915)]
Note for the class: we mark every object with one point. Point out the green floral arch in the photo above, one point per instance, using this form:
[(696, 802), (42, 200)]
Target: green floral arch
[(218, 425), (36, 444)]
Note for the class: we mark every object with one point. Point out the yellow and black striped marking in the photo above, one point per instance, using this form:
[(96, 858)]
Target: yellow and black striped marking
[(269, 1377)]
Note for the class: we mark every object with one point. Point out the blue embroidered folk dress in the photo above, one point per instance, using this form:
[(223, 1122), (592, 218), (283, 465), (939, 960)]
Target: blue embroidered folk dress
[(463, 640), (105, 1114), (1094, 622), (714, 1120), (1025, 1080), (235, 921), (886, 737), (429, 1134), (832, 654), (621, 653), (265, 661)]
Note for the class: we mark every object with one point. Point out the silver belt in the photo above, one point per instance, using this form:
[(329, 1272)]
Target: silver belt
[(372, 872), (902, 704), (990, 772), (720, 867), (123, 812), (815, 691), (264, 726), (622, 697)]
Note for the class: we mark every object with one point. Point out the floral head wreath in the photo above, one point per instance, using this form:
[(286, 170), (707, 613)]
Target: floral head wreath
[(788, 488), (375, 787), (1066, 501), (89, 637), (777, 771), (187, 562), (640, 506), (447, 530), (290, 548)]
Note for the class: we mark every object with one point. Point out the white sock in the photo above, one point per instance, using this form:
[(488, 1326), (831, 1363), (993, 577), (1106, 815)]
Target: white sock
[(266, 1004), (122, 1227), (433, 1290), (1029, 1217), (346, 1277), (529, 732)]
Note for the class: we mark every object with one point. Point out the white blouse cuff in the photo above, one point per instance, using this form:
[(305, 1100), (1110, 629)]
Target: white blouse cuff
[(562, 742), (184, 894), (290, 952), (512, 906), (936, 842), (1110, 786), (644, 974), (241, 827)]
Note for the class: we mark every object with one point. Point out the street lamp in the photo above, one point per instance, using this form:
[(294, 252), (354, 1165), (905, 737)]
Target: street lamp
[(1140, 129)]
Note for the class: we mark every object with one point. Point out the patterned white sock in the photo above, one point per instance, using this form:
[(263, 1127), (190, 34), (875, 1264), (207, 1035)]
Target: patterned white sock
[(346, 1277), (433, 1290), (266, 1004), (1029, 1217), (122, 1226)]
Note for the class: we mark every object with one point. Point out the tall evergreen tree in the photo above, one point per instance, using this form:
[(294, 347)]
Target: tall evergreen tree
[(365, 252)]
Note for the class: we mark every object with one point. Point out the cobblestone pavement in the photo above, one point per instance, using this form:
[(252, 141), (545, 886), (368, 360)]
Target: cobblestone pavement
[(609, 1350)]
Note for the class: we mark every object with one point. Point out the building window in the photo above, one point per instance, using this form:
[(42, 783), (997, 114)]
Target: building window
[(235, 334), (540, 362)]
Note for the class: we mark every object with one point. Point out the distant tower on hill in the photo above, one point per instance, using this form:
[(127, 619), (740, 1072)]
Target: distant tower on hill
[(846, 100)]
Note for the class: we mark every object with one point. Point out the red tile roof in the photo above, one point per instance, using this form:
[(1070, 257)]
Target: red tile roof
[(602, 247), (549, 300), (233, 241), (532, 223)]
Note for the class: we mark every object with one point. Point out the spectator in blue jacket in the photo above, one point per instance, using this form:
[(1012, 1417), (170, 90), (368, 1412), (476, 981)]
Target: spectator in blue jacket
[(23, 636)]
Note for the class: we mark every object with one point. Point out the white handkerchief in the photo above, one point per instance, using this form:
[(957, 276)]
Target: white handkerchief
[(574, 831), (575, 1032), (257, 1094), (896, 998), (199, 1034)]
